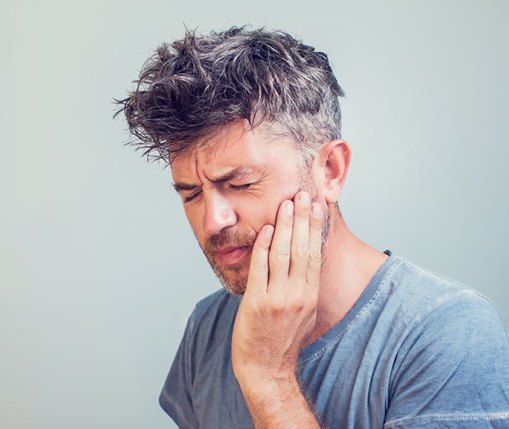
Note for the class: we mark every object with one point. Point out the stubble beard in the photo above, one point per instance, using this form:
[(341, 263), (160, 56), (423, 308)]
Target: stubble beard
[(231, 277)]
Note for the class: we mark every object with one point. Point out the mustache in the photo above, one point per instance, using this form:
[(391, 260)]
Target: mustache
[(228, 238)]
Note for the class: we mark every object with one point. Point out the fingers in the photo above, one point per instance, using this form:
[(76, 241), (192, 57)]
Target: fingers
[(258, 277), (314, 266), (295, 252), (279, 256), (289, 254), (300, 237)]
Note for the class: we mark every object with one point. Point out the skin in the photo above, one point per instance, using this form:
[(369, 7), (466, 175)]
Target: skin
[(295, 286)]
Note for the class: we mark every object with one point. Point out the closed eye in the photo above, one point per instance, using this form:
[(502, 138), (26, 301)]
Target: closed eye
[(240, 187), (191, 197), (230, 186)]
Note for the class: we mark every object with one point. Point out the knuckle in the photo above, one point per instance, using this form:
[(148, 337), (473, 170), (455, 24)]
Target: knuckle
[(260, 265), (298, 305), (301, 251), (282, 255), (315, 253), (278, 307)]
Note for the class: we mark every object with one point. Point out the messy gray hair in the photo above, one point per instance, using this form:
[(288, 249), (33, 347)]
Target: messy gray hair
[(190, 89)]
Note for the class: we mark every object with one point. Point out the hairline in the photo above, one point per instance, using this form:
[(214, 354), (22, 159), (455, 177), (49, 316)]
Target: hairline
[(270, 130)]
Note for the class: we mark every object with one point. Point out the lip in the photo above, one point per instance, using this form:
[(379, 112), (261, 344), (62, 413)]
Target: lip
[(231, 255)]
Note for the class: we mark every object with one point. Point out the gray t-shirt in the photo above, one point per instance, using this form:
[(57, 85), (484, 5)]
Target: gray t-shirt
[(415, 351)]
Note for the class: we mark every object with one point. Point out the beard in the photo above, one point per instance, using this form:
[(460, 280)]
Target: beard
[(234, 277)]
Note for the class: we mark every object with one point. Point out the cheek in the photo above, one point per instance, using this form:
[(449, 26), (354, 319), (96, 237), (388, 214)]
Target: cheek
[(271, 213), (267, 209), (253, 214)]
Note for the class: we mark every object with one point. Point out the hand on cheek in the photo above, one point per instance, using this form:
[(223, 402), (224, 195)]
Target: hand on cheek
[(278, 310)]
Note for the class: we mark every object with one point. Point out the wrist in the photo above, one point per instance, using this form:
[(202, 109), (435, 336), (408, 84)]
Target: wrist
[(262, 379), (278, 402), (276, 386)]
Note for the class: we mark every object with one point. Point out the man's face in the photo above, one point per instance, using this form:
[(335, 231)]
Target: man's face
[(231, 187)]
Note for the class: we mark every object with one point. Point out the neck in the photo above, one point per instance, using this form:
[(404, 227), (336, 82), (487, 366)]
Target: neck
[(349, 266)]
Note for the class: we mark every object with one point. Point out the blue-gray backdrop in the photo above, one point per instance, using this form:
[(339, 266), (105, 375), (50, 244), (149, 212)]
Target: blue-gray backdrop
[(98, 267)]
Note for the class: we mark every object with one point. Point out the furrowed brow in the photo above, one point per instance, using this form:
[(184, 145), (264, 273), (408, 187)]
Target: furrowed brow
[(232, 174)]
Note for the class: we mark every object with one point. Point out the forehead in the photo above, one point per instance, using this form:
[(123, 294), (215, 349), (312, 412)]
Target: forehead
[(236, 145)]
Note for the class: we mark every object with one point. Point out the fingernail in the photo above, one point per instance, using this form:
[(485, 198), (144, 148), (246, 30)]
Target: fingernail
[(268, 232), (289, 207), (316, 210), (304, 199)]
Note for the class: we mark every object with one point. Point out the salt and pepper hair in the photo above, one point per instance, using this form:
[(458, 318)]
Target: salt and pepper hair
[(188, 90)]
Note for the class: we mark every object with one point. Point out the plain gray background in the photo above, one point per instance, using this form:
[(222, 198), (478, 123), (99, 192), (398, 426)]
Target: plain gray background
[(99, 269)]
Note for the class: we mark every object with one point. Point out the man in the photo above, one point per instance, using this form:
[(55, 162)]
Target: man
[(314, 328)]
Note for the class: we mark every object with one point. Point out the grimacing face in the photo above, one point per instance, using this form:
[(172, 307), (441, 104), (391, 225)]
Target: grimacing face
[(231, 187)]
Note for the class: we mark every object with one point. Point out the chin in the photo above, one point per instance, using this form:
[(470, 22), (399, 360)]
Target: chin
[(234, 290), (233, 278), (234, 286), (234, 281)]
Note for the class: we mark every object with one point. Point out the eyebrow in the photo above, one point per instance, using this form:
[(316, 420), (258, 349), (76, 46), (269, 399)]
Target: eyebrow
[(229, 175)]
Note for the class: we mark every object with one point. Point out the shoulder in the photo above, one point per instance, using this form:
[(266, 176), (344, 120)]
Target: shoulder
[(437, 309), (454, 354), (419, 294)]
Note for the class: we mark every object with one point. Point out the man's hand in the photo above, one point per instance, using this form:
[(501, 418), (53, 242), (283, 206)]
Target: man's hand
[(277, 313)]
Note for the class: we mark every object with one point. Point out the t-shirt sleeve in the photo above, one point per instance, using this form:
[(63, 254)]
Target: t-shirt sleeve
[(452, 371), (175, 397)]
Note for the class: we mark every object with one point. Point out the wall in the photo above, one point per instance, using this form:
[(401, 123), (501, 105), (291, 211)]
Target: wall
[(99, 269)]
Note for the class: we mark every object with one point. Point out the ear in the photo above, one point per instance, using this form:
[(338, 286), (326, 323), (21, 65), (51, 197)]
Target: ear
[(332, 162)]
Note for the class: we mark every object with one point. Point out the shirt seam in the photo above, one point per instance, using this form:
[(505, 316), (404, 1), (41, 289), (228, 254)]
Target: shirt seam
[(447, 417)]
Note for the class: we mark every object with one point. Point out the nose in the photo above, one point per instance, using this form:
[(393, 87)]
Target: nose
[(219, 212)]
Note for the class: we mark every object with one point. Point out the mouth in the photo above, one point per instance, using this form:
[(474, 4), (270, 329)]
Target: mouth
[(231, 255)]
